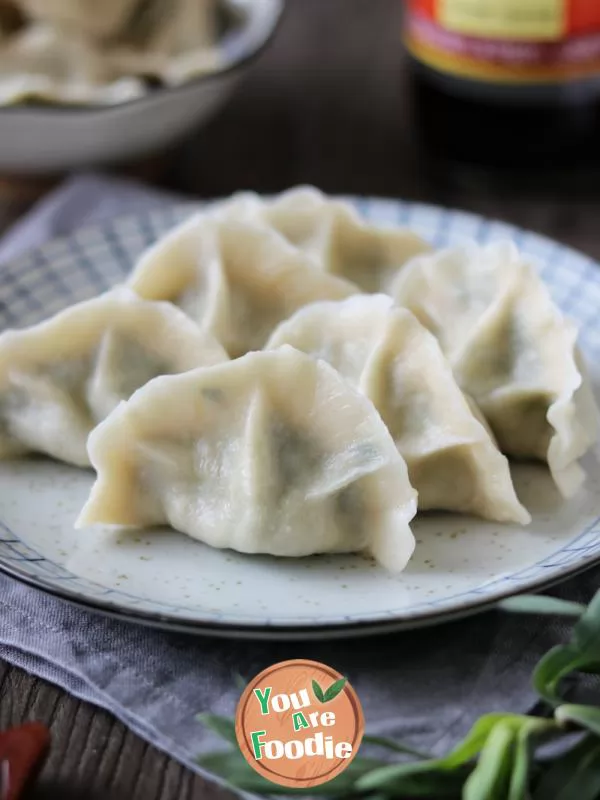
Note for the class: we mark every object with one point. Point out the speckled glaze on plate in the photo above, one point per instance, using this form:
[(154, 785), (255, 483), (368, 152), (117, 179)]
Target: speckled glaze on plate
[(163, 578)]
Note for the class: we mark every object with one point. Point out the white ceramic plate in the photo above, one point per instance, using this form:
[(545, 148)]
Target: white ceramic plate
[(163, 578)]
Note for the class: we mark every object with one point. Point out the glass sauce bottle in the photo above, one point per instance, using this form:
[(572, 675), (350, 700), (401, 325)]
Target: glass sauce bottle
[(507, 84)]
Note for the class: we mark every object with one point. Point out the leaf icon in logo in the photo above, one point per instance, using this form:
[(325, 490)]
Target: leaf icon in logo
[(318, 692), (331, 693), (335, 689)]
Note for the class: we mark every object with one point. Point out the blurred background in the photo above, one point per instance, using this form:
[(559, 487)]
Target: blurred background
[(333, 98)]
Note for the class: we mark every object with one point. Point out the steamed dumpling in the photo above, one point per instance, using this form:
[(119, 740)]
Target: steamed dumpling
[(172, 41), (332, 235), (180, 26), (39, 61), (83, 16), (384, 351), (510, 348), (236, 279), (79, 51), (59, 378), (271, 453)]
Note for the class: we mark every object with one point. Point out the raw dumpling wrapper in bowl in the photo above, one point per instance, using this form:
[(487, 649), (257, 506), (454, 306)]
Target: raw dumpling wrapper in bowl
[(271, 453), (384, 351), (510, 348), (59, 378)]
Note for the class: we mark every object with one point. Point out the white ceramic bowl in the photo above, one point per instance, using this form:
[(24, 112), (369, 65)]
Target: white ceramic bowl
[(53, 138)]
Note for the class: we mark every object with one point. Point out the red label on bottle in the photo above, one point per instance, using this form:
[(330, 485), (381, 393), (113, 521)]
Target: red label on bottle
[(583, 16), (507, 41)]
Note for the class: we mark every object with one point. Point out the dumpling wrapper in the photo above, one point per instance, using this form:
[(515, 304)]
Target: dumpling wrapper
[(39, 61), (83, 16), (238, 280), (76, 52), (332, 235), (271, 453), (384, 351), (510, 348), (173, 41), (176, 27), (61, 377)]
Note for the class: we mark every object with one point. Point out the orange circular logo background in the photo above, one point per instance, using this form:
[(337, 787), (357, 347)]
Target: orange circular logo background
[(299, 723)]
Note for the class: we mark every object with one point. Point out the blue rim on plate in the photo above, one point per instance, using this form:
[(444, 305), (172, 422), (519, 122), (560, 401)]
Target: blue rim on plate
[(73, 268)]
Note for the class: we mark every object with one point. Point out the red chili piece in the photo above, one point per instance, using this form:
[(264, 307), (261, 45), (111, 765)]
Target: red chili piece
[(22, 751)]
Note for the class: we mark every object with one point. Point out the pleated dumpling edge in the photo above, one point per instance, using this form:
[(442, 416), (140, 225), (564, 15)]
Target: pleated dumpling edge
[(272, 453), (384, 351), (511, 348), (61, 376)]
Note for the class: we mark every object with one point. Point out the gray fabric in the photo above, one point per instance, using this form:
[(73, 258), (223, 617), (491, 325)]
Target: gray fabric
[(426, 686)]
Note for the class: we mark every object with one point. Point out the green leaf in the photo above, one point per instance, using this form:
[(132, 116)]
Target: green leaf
[(586, 717), (239, 774), (477, 737), (582, 653), (334, 690), (318, 692), (522, 757), (490, 780), (558, 662), (222, 726), (391, 744), (345, 783), (586, 633), (519, 780), (581, 780), (541, 604), (554, 777), (388, 776), (422, 779)]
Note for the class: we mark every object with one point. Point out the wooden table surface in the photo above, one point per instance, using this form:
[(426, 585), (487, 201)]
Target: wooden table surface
[(326, 104)]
